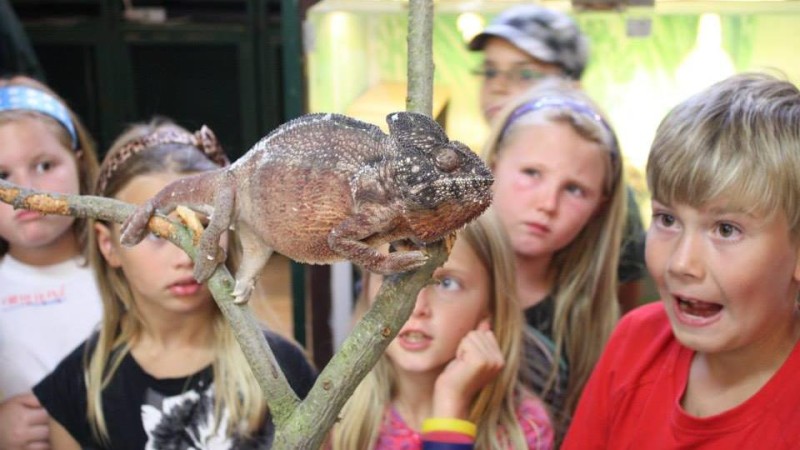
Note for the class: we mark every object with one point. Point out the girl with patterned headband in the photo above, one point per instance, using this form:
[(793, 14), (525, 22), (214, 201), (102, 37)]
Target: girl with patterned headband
[(164, 370), (559, 192), (43, 275)]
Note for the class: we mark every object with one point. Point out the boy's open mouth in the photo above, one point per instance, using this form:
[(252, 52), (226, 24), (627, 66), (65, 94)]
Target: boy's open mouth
[(698, 308)]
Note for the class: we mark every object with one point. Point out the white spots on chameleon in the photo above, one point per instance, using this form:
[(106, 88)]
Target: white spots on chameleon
[(415, 169)]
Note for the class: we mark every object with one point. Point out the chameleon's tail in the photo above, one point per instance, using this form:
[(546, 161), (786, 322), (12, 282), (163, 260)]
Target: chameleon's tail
[(191, 191)]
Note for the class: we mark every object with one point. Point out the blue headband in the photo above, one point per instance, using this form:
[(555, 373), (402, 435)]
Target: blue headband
[(561, 102), (30, 99)]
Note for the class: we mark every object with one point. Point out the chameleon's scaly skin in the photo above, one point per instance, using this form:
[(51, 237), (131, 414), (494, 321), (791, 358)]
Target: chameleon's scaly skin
[(326, 187)]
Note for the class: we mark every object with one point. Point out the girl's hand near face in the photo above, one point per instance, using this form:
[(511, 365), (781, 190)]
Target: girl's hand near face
[(478, 361)]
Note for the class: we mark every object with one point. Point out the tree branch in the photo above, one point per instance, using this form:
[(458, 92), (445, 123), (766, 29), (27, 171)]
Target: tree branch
[(279, 394), (419, 96), (299, 425), (358, 354)]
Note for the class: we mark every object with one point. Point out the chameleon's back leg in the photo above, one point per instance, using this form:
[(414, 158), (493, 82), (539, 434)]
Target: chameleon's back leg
[(255, 254), (347, 240)]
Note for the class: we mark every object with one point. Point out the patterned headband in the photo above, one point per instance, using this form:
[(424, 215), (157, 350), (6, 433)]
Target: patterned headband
[(561, 102), (15, 98), (203, 139)]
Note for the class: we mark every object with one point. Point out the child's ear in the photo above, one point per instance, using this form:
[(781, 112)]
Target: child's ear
[(107, 245)]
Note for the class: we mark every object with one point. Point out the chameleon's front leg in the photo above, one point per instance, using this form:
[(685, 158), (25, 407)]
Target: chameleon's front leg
[(134, 228), (347, 240), (209, 253)]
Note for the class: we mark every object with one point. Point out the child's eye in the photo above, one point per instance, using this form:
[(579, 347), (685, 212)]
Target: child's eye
[(526, 74), (151, 237), (3, 175), (449, 283), (531, 172), (44, 166), (576, 190), (727, 230), (663, 219)]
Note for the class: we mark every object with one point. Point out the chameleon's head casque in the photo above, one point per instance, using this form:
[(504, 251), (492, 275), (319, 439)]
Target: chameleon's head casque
[(445, 184)]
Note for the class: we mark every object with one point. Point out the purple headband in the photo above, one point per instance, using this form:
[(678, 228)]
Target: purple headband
[(561, 102), (15, 98)]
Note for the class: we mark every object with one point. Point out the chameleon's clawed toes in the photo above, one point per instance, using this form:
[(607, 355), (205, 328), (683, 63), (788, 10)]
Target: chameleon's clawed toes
[(241, 291), (399, 262), (204, 267)]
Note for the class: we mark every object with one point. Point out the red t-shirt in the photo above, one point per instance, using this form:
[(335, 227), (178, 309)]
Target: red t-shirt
[(632, 400)]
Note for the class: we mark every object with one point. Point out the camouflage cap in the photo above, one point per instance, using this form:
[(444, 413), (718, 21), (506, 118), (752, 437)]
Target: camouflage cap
[(543, 33)]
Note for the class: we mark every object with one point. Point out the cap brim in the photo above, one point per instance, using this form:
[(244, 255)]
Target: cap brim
[(478, 42), (522, 41)]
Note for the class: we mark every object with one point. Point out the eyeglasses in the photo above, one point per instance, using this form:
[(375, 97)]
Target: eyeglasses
[(516, 75)]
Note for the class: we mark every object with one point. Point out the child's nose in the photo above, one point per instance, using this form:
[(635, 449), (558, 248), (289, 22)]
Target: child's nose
[(22, 179), (179, 257), (422, 306), (686, 260), (547, 198), (498, 84)]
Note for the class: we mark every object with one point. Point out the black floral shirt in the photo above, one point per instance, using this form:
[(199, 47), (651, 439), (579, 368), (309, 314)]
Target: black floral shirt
[(143, 412)]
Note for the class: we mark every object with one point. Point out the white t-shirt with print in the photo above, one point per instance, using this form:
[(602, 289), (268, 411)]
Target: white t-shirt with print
[(45, 312)]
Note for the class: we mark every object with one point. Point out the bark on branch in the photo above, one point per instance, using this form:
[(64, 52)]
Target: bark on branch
[(419, 97)]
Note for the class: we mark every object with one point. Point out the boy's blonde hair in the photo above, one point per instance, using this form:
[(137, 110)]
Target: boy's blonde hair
[(235, 386), (85, 154), (736, 141), (494, 408), (585, 271)]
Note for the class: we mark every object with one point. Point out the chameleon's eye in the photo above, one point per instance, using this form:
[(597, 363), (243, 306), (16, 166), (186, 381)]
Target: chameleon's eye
[(447, 159)]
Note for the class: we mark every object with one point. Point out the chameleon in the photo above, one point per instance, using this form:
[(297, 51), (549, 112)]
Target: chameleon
[(327, 187)]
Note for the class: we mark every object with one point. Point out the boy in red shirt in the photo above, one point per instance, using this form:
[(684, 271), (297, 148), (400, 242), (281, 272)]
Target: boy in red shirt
[(715, 364)]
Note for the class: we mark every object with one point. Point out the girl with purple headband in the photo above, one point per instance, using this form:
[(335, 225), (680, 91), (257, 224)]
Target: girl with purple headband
[(49, 300), (559, 193)]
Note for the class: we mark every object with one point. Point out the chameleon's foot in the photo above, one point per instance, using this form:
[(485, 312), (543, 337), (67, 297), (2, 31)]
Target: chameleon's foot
[(398, 262), (242, 290), (135, 227), (205, 266)]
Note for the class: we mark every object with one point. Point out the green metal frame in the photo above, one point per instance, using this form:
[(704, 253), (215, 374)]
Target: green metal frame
[(294, 107)]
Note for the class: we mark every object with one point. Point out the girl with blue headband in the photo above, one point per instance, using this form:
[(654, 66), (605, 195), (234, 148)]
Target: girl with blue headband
[(49, 301)]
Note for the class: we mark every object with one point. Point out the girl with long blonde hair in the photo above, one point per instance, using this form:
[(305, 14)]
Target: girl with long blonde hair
[(43, 272), (452, 373), (164, 370), (560, 195)]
